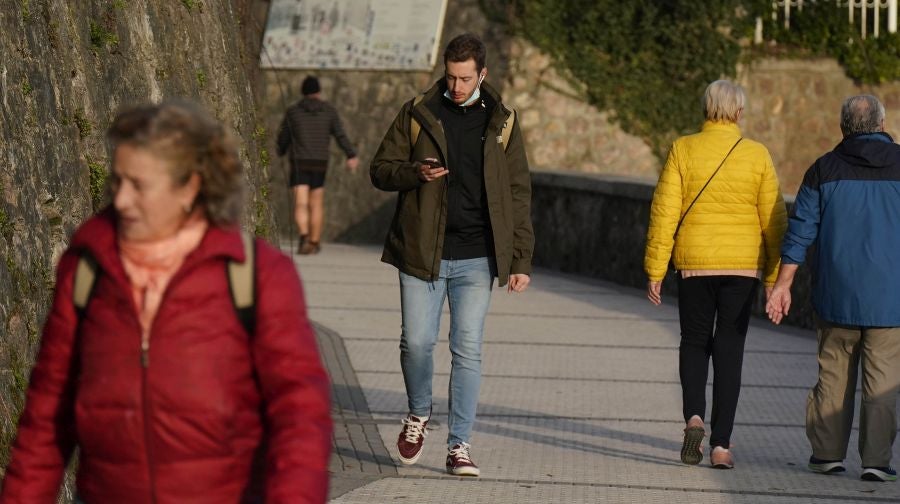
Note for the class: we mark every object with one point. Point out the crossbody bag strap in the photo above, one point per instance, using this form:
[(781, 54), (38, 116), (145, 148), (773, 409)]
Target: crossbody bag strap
[(680, 221)]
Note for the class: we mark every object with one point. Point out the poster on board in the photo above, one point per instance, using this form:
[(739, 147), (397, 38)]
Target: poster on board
[(353, 34)]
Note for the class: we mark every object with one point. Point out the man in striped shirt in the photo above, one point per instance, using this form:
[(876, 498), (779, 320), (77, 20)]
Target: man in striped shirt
[(306, 133)]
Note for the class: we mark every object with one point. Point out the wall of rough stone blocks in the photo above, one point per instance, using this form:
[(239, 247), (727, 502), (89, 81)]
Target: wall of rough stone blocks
[(794, 109), (66, 68)]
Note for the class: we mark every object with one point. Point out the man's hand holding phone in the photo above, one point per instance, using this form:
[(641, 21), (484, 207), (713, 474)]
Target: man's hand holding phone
[(431, 169)]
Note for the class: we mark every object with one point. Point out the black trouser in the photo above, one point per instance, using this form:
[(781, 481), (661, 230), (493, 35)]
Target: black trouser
[(714, 313)]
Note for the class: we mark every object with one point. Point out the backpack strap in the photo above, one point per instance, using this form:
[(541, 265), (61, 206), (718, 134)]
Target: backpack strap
[(507, 128), (242, 284), (85, 278), (414, 127)]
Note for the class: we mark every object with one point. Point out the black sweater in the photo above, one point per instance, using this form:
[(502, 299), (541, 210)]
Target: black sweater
[(468, 230)]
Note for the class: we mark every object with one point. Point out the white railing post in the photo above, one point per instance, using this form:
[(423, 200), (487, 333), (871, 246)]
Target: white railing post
[(787, 14), (893, 12), (863, 16), (892, 16), (758, 31)]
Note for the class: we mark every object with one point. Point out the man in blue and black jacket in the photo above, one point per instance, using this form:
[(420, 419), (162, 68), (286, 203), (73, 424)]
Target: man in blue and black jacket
[(849, 206)]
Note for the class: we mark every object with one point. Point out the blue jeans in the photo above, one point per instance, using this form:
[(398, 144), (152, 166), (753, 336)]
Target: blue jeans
[(466, 283)]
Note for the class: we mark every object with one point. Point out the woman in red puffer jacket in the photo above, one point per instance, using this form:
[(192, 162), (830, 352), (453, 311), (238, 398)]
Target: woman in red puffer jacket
[(157, 382)]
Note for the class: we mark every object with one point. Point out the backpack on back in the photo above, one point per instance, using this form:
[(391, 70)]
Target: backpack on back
[(241, 283)]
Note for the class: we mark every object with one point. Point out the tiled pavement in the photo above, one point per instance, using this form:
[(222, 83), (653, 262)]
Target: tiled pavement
[(580, 400)]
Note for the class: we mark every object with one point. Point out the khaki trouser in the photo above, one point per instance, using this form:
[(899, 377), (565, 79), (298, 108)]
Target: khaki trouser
[(829, 408)]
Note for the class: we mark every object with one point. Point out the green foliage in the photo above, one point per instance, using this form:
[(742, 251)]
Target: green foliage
[(201, 78), (26, 11), (190, 5), (261, 206), (101, 36), (649, 61), (6, 227), (98, 178), (260, 135), (823, 30), (26, 88), (118, 4), (83, 124)]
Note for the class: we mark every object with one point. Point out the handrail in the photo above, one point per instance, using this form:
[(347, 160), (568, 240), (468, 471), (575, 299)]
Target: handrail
[(783, 9)]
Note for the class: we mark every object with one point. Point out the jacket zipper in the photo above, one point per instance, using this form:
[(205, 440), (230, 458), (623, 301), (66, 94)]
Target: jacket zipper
[(436, 271), (147, 407)]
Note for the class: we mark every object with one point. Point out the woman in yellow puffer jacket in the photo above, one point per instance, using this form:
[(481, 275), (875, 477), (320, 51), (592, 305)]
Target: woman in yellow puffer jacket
[(729, 240)]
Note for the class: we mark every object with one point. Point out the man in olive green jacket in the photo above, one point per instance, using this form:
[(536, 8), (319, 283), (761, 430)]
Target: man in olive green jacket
[(456, 158)]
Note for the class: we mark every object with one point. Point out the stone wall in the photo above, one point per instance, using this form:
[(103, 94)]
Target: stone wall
[(596, 226), (794, 109), (367, 101), (66, 68)]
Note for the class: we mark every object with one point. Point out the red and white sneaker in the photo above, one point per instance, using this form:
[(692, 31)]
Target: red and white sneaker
[(459, 463), (412, 438)]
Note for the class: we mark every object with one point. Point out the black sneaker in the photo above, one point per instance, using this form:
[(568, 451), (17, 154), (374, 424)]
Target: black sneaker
[(826, 466), (879, 474), (412, 438)]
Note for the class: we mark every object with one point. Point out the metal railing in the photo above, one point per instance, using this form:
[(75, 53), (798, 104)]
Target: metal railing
[(858, 12)]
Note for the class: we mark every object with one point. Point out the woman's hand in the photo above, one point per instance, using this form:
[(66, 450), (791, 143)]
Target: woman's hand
[(653, 292), (779, 303)]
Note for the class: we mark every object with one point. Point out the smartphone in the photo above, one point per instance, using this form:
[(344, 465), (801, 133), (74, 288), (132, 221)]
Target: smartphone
[(431, 162)]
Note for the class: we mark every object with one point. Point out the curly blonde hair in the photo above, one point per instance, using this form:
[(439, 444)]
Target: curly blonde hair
[(193, 142)]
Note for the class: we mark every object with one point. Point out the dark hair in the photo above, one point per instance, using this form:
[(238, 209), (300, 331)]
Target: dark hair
[(465, 47), (193, 142), (310, 85)]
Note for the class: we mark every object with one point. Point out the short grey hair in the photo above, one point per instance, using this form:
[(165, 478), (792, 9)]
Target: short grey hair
[(861, 114), (723, 100)]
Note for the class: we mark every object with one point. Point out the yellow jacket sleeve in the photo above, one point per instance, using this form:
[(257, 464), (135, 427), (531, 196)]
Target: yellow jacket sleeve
[(665, 211), (772, 221)]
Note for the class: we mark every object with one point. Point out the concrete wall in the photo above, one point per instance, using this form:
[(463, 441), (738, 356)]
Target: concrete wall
[(596, 226)]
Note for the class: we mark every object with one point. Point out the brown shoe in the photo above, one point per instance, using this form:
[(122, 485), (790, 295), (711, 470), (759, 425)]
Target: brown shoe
[(691, 450), (309, 248), (302, 242), (720, 458)]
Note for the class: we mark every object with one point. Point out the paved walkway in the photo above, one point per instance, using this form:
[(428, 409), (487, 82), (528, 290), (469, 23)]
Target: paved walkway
[(580, 400)]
